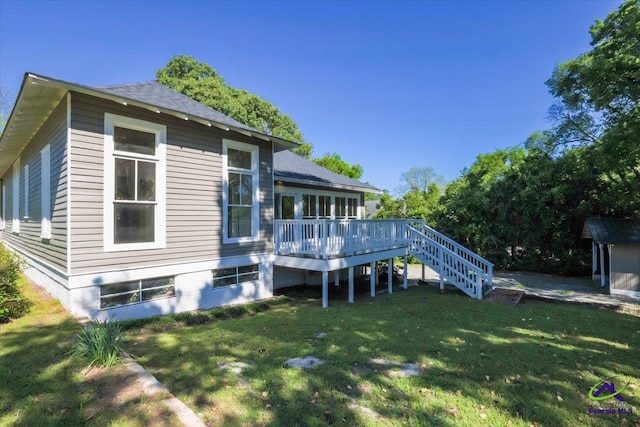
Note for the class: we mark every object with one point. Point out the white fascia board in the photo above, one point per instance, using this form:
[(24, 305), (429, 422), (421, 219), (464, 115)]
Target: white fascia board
[(327, 185)]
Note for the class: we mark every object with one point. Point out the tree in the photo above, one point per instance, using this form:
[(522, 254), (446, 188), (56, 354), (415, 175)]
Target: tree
[(334, 163), (5, 108), (599, 103), (202, 83), (419, 196), (419, 178)]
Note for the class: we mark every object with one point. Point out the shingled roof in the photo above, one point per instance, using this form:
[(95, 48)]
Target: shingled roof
[(291, 168), (40, 95), (155, 93), (612, 231)]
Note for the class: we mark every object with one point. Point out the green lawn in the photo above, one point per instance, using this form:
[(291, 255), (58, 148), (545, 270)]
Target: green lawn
[(482, 363), (41, 386)]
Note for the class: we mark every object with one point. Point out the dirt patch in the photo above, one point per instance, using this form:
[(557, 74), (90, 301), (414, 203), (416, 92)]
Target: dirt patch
[(116, 391), (506, 296)]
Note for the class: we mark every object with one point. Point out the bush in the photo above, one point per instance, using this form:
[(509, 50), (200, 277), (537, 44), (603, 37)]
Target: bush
[(12, 303), (101, 343)]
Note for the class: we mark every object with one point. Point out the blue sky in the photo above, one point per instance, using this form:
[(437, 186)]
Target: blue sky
[(388, 85)]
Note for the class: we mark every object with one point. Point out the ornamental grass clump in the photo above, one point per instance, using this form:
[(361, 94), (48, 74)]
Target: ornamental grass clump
[(100, 343)]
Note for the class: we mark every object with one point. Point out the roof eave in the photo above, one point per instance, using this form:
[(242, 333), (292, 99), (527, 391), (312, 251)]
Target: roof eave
[(327, 185), (10, 153), (285, 144)]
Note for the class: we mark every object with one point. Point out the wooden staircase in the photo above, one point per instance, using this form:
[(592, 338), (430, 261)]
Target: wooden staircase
[(456, 264)]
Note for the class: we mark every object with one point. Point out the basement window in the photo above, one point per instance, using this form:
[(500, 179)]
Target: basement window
[(136, 291), (235, 275)]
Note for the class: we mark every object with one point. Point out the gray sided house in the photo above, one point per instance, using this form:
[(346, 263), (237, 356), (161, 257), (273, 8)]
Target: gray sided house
[(616, 253), (133, 201)]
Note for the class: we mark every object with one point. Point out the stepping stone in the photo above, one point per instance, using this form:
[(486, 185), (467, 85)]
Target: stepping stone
[(406, 369), (235, 367), (304, 362)]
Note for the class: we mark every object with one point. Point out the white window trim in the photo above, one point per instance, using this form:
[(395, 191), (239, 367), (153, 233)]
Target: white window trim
[(26, 191), (45, 191), (4, 206), (15, 222), (316, 192), (255, 210), (110, 121)]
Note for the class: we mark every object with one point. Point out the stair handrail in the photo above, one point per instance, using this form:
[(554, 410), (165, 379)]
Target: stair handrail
[(486, 265), (472, 266)]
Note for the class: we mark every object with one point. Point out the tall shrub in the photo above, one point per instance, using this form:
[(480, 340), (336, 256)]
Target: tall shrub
[(12, 303)]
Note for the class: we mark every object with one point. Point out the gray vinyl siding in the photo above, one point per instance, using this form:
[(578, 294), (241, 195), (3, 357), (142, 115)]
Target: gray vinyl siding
[(625, 267), (53, 251), (194, 192)]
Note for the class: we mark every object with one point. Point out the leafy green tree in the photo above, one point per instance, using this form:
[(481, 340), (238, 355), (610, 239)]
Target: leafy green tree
[(419, 178), (598, 104), (5, 108), (419, 201), (201, 82), (334, 163)]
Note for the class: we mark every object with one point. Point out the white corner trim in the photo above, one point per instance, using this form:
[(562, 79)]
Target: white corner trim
[(69, 185)]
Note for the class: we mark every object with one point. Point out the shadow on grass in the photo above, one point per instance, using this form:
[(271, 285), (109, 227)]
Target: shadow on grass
[(36, 386), (40, 385), (482, 362)]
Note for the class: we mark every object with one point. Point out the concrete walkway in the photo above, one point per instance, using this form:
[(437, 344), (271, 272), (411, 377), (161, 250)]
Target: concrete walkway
[(573, 290)]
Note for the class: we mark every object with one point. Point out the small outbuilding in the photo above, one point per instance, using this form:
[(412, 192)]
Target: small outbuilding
[(616, 253)]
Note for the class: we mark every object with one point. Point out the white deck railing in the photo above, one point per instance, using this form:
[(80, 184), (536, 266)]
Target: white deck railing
[(327, 238)]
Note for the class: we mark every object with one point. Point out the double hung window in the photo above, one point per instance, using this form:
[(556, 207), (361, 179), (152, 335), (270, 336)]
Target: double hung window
[(15, 198), (45, 192), (240, 201), (134, 184)]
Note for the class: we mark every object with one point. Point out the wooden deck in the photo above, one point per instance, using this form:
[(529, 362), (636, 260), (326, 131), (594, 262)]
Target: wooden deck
[(327, 245)]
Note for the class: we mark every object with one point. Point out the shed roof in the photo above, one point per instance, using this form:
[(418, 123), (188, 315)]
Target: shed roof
[(291, 168), (39, 96), (612, 231)]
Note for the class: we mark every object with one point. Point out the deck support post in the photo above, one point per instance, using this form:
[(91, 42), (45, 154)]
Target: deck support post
[(336, 278), (325, 289), (351, 284), (405, 284), (390, 275), (594, 260), (602, 275), (441, 268), (372, 278)]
